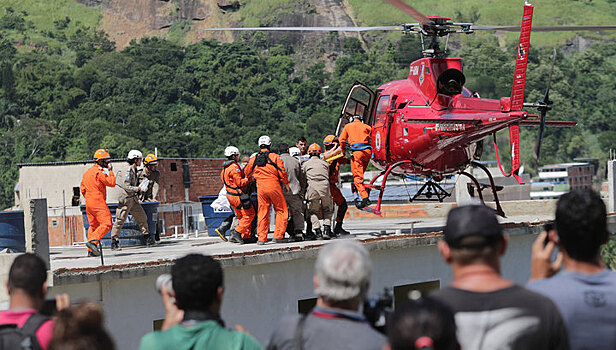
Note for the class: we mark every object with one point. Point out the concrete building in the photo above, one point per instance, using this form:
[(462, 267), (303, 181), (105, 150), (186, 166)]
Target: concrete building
[(555, 180)]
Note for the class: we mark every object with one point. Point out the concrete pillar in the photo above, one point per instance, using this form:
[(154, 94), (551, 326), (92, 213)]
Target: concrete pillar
[(35, 224), (611, 180)]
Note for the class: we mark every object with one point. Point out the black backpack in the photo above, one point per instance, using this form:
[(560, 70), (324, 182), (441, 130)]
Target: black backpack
[(24, 338), (262, 159)]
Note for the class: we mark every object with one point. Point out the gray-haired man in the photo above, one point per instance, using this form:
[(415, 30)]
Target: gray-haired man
[(341, 280)]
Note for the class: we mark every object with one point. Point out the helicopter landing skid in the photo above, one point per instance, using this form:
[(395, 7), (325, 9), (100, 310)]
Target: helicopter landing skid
[(431, 189), (381, 188), (481, 187)]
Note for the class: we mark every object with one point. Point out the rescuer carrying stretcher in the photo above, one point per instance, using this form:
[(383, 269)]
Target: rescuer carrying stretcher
[(356, 135), (269, 172), (332, 145), (94, 189), (318, 197), (235, 180), (128, 201)]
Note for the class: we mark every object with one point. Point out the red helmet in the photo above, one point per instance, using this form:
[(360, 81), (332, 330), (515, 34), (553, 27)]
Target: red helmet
[(314, 148), (101, 154)]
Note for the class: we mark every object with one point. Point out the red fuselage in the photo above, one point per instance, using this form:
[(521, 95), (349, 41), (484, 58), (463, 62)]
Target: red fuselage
[(438, 131)]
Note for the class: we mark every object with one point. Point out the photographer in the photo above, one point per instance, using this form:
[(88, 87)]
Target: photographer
[(342, 277), (192, 303)]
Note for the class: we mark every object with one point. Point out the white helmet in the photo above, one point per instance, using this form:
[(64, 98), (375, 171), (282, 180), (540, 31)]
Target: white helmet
[(134, 154), (294, 151), (265, 140), (231, 151), (356, 116)]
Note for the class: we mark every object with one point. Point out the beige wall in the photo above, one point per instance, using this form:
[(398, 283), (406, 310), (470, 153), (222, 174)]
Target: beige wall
[(49, 182)]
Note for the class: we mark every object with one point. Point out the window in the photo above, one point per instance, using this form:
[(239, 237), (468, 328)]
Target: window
[(174, 166), (54, 222), (381, 111)]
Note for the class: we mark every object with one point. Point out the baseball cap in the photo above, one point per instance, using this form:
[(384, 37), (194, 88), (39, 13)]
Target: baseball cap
[(472, 220)]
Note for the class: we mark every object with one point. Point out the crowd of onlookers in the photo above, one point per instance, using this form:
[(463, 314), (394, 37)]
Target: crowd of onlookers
[(569, 302)]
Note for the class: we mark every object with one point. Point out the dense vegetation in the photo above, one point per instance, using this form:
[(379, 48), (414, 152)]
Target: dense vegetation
[(61, 102)]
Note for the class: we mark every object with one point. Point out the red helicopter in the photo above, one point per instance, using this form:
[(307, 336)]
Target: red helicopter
[(430, 124)]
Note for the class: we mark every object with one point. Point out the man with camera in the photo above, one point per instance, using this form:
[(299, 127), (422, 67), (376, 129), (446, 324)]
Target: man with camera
[(192, 300), (342, 278), (490, 311), (585, 290)]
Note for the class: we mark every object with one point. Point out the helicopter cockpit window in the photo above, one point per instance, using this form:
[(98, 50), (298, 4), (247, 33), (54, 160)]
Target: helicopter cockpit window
[(450, 82), (381, 110)]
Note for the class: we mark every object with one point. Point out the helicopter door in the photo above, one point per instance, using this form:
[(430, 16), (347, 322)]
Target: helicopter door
[(360, 100), (380, 128)]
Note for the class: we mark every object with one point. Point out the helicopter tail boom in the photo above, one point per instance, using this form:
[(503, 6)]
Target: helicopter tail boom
[(519, 78)]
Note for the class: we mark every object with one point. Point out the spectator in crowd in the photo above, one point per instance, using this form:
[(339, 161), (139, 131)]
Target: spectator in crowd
[(585, 291), (81, 328), (492, 312), (192, 320), (27, 288), (422, 324), (342, 278)]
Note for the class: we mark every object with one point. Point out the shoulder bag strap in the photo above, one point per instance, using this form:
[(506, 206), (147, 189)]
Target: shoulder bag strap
[(34, 322), (299, 333)]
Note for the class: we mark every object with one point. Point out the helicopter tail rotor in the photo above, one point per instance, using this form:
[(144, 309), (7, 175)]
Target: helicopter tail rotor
[(544, 105)]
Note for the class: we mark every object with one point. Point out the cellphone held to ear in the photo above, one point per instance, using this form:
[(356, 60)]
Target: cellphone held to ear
[(547, 227)]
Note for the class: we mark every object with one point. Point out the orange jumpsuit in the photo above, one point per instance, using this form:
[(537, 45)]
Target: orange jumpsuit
[(355, 134), (234, 179), (269, 191), (94, 189), (339, 200)]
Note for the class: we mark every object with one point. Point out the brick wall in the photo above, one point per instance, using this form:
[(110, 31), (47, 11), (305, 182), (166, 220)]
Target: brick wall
[(61, 236), (204, 179)]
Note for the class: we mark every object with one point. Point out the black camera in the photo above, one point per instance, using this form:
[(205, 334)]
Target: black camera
[(378, 309)]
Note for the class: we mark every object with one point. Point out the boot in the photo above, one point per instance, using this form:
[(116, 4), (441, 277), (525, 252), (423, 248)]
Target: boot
[(93, 248), (318, 233), (358, 203), (236, 237), (149, 240), (327, 232), (224, 227), (309, 236), (115, 244), (298, 236), (338, 230), (365, 202)]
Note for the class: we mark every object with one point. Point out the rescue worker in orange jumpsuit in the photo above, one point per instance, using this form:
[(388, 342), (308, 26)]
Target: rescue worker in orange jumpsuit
[(356, 135), (268, 170), (94, 189), (234, 179), (332, 145)]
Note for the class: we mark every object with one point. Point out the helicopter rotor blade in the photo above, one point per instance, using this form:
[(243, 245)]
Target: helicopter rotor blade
[(409, 10), (311, 29), (545, 106), (545, 28)]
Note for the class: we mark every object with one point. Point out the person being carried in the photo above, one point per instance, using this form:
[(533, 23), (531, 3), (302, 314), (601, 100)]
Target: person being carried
[(94, 189), (356, 135), (585, 290), (193, 310), (235, 180), (492, 312), (332, 145), (341, 280), (128, 202), (318, 197), (268, 170), (294, 197)]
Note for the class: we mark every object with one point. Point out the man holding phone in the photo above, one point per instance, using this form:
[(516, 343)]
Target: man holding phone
[(585, 290)]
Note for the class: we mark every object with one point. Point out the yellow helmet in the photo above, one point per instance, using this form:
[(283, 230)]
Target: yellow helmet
[(150, 159), (101, 154)]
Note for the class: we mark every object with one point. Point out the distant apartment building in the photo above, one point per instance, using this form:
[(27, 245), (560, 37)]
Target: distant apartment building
[(555, 180)]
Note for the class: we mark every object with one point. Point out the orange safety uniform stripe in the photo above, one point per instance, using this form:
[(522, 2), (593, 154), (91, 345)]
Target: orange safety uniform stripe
[(355, 132)]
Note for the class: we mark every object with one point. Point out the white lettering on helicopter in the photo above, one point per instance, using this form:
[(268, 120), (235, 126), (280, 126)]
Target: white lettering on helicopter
[(450, 127), (414, 70)]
